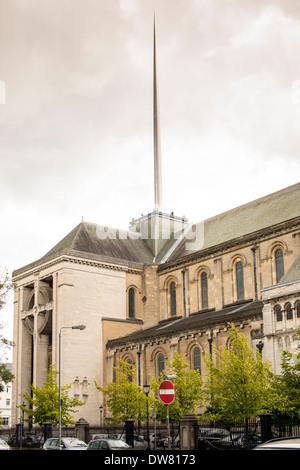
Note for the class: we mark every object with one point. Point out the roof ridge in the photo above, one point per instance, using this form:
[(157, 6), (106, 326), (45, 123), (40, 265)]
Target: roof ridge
[(253, 216), (66, 242), (258, 200), (79, 227)]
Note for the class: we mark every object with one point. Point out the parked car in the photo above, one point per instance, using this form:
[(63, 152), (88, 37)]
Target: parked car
[(237, 442), (213, 434), (67, 443), (173, 443), (209, 437), (4, 445), (103, 436), (27, 441), (287, 443), (138, 441), (155, 438), (108, 444)]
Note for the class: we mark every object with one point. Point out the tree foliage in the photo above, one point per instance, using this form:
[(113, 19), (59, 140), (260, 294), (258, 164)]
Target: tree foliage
[(188, 390), (287, 384), (5, 376), (43, 404), (239, 383), (6, 285), (124, 398)]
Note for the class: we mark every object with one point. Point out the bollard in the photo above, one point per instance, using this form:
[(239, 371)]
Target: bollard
[(266, 426), (47, 431), (129, 431)]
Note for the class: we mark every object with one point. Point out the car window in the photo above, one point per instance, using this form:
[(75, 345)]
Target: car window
[(73, 442), (118, 444), (103, 445), (54, 443), (94, 444)]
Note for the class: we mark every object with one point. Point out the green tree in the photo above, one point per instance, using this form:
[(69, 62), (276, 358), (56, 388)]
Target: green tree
[(43, 404), (124, 398), (6, 285), (288, 385), (188, 391), (239, 383)]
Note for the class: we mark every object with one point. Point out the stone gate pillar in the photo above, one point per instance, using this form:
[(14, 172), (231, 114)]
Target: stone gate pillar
[(187, 432), (82, 430)]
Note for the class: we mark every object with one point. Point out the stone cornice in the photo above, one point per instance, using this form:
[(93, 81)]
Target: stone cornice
[(71, 256), (200, 323)]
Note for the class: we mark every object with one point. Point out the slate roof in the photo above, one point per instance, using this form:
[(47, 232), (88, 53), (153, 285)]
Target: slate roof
[(293, 274), (197, 321), (257, 215), (97, 243), (89, 240), (105, 242)]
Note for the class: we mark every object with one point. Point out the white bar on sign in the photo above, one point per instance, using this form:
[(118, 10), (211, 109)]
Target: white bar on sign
[(166, 391)]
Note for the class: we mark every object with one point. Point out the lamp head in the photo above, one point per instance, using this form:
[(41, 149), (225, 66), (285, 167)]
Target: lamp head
[(146, 388), (79, 327)]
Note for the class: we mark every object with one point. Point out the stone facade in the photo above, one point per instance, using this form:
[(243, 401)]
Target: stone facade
[(281, 316), (163, 286)]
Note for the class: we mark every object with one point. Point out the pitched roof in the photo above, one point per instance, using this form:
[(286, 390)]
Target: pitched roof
[(259, 214), (125, 247), (175, 325), (99, 243), (293, 274), (105, 242)]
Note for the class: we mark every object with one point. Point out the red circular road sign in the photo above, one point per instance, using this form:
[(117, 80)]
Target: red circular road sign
[(166, 392)]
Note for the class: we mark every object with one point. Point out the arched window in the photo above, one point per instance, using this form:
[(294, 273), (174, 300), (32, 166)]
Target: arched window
[(239, 280), (204, 291), (197, 359), (297, 307), (129, 362), (160, 364), (289, 311), (131, 303), (172, 298), (279, 265), (278, 313)]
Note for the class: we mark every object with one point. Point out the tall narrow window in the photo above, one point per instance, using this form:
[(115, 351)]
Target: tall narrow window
[(173, 298), (130, 377), (204, 293), (279, 264), (278, 313), (131, 303), (239, 280), (197, 360), (289, 311), (160, 364), (297, 306)]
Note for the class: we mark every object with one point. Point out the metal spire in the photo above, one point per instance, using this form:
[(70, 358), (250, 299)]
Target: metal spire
[(156, 134)]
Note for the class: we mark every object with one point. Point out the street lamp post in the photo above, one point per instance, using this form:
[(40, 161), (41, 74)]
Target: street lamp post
[(101, 409), (21, 426), (76, 327), (146, 388)]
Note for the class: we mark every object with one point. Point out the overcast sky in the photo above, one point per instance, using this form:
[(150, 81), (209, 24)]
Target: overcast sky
[(76, 136)]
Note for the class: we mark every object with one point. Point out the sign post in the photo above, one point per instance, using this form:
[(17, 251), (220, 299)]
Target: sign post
[(166, 393)]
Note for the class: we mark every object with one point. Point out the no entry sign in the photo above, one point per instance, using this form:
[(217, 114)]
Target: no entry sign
[(166, 392)]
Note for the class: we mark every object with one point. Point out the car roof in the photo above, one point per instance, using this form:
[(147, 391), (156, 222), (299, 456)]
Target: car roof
[(281, 443)]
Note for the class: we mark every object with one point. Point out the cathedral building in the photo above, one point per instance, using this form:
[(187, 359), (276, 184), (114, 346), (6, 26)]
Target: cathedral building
[(163, 285)]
